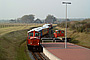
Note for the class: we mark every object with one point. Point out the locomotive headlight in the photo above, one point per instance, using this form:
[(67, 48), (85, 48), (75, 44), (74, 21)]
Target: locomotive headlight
[(31, 43), (38, 43)]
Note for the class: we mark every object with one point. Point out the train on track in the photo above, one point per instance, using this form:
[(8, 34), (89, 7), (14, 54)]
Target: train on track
[(34, 37), (59, 33)]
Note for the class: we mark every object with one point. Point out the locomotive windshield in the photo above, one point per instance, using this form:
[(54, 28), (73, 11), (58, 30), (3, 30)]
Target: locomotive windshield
[(49, 25), (62, 32), (36, 34), (30, 34)]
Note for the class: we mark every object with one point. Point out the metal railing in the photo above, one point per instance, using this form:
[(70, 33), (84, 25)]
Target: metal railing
[(53, 40)]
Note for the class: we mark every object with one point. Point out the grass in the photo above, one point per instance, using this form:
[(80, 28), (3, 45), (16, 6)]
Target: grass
[(5, 25), (22, 52), (12, 43), (15, 28), (83, 38)]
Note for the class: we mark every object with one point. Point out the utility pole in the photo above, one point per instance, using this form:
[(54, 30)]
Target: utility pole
[(66, 24)]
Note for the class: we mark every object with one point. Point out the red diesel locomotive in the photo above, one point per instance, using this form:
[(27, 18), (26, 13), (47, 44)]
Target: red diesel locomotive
[(59, 33), (34, 37)]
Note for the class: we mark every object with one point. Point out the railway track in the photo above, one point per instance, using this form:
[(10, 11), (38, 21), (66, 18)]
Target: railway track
[(39, 56)]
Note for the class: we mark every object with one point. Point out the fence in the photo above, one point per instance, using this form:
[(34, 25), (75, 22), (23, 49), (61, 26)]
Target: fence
[(4, 25)]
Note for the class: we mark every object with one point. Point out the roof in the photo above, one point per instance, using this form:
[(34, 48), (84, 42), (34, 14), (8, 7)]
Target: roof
[(37, 21), (40, 28), (46, 25)]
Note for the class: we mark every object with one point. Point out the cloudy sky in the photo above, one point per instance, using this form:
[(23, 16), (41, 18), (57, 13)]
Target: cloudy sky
[(41, 8)]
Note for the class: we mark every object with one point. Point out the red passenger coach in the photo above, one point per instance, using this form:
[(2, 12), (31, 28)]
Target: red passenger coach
[(59, 33)]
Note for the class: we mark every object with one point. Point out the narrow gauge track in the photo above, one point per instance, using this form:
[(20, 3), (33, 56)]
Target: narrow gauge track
[(39, 56)]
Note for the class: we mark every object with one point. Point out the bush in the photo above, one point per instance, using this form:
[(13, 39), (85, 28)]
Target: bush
[(72, 27), (61, 25), (74, 41), (77, 26)]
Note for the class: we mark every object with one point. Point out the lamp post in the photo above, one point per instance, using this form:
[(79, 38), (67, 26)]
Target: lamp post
[(66, 23)]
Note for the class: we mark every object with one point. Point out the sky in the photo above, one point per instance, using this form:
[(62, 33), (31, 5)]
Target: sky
[(13, 9)]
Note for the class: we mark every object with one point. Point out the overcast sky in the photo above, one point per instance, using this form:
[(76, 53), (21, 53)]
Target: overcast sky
[(41, 8)]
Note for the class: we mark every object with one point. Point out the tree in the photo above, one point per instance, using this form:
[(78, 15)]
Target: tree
[(28, 18), (50, 19)]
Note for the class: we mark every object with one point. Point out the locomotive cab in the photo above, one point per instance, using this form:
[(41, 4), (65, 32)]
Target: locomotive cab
[(33, 41), (34, 38)]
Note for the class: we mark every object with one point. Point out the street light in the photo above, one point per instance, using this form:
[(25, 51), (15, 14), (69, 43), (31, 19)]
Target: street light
[(66, 23)]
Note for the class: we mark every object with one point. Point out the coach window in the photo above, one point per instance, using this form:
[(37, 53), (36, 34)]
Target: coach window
[(59, 31), (49, 25), (45, 30)]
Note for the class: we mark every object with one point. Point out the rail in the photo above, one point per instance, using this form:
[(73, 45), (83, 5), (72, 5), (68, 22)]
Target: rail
[(47, 40), (54, 39), (39, 56)]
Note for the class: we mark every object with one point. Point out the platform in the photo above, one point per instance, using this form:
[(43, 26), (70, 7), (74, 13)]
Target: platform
[(56, 51)]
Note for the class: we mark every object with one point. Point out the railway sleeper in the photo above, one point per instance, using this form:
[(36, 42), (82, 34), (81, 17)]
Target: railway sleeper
[(35, 48)]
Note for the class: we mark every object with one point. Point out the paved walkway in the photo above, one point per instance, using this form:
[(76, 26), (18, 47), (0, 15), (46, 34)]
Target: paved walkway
[(73, 52)]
